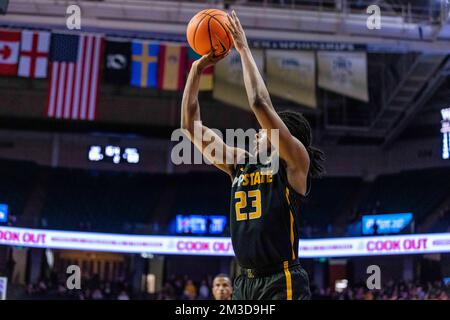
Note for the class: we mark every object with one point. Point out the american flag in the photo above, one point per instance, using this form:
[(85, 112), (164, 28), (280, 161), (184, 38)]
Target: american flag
[(74, 76)]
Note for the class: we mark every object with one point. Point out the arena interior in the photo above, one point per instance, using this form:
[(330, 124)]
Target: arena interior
[(96, 187)]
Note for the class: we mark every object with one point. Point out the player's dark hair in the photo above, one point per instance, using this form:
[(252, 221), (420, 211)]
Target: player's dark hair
[(299, 127)]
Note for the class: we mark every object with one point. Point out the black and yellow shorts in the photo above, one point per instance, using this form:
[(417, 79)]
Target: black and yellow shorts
[(290, 283)]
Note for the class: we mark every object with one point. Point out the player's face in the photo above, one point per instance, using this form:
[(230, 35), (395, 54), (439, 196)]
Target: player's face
[(222, 289), (261, 143)]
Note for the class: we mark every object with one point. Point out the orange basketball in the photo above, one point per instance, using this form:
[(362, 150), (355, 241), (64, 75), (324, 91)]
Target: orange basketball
[(206, 30)]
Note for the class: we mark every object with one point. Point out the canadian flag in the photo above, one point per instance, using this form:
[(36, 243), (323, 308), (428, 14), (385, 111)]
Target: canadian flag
[(9, 52), (34, 50)]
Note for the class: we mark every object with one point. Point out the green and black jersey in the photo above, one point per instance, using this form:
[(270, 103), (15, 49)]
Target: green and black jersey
[(264, 216)]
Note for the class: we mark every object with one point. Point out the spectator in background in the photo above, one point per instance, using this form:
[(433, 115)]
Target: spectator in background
[(167, 292), (369, 296), (190, 291), (107, 290), (97, 294), (222, 288), (178, 288), (123, 296), (203, 292), (359, 294), (420, 293), (443, 296)]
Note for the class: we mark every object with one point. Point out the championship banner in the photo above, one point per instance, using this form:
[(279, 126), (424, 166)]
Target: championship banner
[(344, 73), (306, 45), (229, 80), (292, 75), (221, 246)]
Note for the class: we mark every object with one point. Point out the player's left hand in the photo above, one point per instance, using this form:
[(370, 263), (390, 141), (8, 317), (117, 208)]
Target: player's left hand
[(237, 32), (209, 59)]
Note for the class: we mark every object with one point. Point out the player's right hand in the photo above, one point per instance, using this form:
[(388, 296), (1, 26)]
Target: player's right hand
[(237, 32)]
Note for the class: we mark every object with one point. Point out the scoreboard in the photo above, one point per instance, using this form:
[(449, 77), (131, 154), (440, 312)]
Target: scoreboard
[(113, 154), (3, 212)]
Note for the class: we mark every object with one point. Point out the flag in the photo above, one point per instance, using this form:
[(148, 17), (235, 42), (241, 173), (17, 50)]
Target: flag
[(344, 73), (172, 66), (117, 64), (9, 52), (34, 49), (144, 65), (292, 75), (206, 79), (229, 80), (74, 76)]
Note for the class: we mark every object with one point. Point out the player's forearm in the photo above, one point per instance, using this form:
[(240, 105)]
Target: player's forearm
[(190, 108), (257, 93)]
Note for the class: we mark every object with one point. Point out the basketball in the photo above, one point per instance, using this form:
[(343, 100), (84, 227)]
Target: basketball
[(206, 30)]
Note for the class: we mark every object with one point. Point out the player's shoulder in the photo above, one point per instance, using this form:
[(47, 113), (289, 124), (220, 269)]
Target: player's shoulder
[(298, 185)]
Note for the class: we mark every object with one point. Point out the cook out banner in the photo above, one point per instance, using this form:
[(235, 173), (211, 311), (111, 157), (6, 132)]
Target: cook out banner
[(311, 248)]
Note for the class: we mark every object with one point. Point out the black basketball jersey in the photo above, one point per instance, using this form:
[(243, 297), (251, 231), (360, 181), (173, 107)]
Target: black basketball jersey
[(264, 216)]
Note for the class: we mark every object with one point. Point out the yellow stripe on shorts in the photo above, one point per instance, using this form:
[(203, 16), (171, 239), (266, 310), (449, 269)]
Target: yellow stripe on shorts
[(287, 273)]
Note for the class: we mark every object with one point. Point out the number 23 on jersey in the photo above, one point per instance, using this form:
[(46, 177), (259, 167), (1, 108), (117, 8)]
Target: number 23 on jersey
[(253, 196)]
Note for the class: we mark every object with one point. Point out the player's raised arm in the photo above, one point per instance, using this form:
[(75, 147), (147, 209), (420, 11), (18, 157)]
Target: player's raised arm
[(192, 125), (291, 150)]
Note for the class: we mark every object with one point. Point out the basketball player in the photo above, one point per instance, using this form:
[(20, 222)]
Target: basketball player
[(264, 204), (221, 287)]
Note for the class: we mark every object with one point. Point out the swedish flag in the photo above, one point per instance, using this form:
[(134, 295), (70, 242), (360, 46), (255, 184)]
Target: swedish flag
[(144, 64)]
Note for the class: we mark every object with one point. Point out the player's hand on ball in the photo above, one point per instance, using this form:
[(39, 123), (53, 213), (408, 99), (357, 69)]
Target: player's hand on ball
[(209, 59), (237, 32)]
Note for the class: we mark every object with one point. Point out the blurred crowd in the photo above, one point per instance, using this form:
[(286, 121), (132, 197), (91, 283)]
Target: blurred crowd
[(175, 288), (183, 288), (55, 288), (389, 291)]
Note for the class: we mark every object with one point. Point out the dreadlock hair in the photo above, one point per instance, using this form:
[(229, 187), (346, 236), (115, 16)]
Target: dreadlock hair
[(299, 127)]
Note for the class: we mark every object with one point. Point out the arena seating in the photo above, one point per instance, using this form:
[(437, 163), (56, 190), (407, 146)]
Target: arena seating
[(114, 202), (120, 202), (16, 184), (418, 192)]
